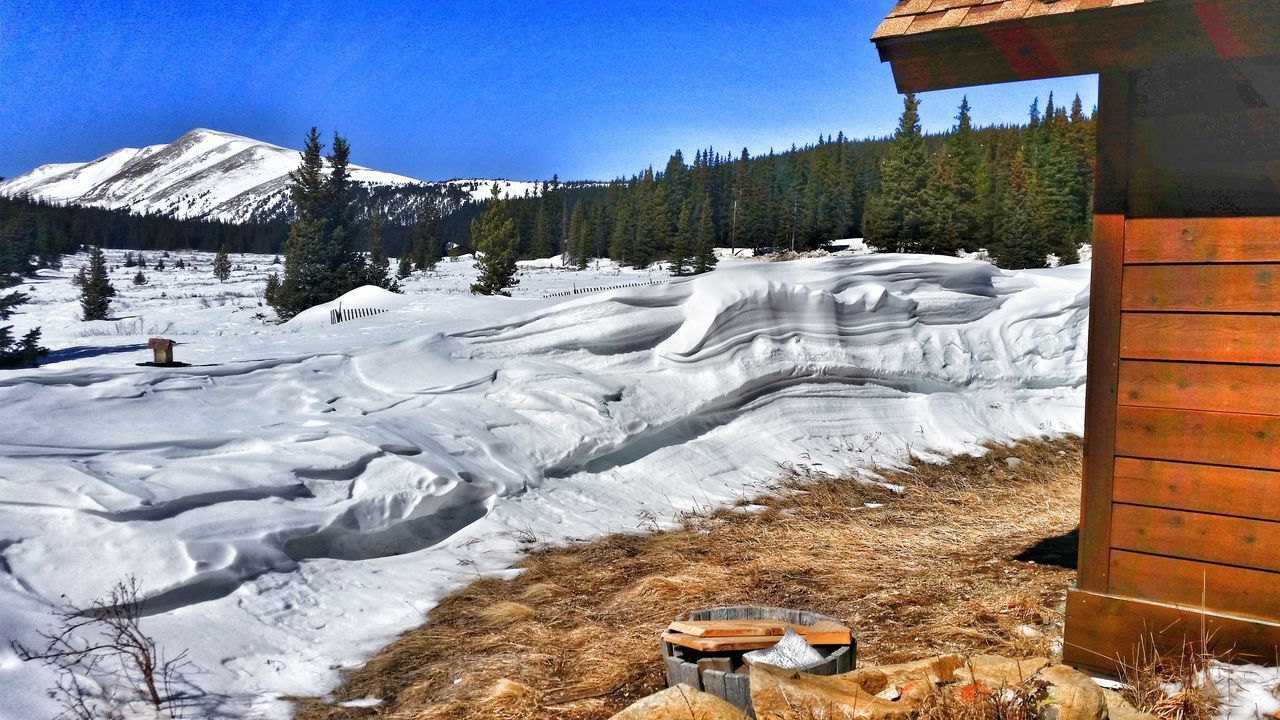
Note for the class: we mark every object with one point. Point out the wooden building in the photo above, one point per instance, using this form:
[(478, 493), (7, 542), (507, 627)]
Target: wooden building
[(1180, 524)]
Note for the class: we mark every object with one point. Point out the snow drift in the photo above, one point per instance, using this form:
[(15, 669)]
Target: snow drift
[(291, 514)]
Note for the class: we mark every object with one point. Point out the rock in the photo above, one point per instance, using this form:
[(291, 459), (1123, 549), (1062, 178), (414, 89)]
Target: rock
[(889, 691), (680, 703), (1077, 696), (1120, 709), (1000, 671), (897, 692)]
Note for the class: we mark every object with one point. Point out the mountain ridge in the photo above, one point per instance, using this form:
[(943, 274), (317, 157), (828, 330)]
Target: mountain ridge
[(214, 175)]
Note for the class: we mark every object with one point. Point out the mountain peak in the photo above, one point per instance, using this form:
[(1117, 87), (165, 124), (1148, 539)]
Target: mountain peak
[(215, 175)]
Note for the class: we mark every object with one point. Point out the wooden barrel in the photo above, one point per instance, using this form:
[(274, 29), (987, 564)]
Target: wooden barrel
[(735, 685)]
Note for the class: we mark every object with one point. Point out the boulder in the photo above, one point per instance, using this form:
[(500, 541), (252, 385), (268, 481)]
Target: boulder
[(1120, 709), (1077, 696), (680, 703), (999, 671), (890, 692), (897, 692)]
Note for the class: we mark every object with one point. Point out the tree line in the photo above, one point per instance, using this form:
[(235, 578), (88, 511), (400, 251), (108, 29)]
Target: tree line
[(1020, 192)]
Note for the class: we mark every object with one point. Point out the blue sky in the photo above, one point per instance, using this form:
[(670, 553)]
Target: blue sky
[(438, 89)]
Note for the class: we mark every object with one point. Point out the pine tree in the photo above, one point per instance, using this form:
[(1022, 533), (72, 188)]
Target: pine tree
[(704, 254), (95, 296), (427, 239), (681, 255), (378, 265), (16, 353), (139, 279), (272, 289), (129, 260), (578, 247), (142, 261), (893, 219), (222, 265), (321, 261), (497, 243), (1017, 243), (404, 268), (160, 265), (181, 264)]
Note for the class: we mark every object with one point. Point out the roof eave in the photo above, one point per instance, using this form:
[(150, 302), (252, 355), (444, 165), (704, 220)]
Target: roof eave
[(1083, 42)]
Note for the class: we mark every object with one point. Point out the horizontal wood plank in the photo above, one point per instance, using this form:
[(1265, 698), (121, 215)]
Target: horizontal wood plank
[(1197, 386), (1103, 630), (1217, 288), (1253, 339), (1198, 488), (1194, 584), (1196, 536), (1203, 240), (1251, 441)]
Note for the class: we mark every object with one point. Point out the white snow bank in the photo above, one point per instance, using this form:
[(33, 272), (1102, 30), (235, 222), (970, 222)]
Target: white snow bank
[(292, 509), (366, 297)]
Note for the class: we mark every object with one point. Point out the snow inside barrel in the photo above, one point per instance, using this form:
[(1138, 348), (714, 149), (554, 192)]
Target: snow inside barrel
[(712, 649)]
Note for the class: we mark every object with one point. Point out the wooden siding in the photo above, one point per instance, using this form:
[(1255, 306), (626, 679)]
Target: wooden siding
[(1195, 516), (1193, 584), (1102, 630), (1239, 492), (1250, 389)]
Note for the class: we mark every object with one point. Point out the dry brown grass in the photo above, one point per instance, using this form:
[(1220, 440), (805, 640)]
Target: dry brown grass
[(933, 570), (1172, 685)]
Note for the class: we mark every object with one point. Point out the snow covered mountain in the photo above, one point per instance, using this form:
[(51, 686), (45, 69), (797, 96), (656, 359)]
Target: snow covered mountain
[(217, 176)]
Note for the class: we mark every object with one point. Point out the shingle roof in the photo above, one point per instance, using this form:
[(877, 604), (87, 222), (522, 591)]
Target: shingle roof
[(912, 17)]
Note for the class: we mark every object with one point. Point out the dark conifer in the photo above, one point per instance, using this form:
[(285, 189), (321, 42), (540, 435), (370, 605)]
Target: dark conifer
[(95, 296), (894, 215), (222, 265), (496, 244), (16, 353)]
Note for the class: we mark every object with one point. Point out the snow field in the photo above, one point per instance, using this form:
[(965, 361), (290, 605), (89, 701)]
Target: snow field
[(306, 491)]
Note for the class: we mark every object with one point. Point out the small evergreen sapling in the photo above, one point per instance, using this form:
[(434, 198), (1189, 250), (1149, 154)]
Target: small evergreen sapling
[(496, 243), (222, 265), (16, 353), (96, 294), (139, 279)]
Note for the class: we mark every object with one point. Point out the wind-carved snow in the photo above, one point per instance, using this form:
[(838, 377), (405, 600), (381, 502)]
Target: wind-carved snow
[(315, 489), (204, 174)]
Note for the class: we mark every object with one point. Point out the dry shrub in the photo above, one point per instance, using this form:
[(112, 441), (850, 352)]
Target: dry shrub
[(1172, 685), (975, 701), (927, 570), (505, 613), (542, 593)]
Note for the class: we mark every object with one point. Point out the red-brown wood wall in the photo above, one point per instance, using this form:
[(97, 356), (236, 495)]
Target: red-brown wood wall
[(1180, 529)]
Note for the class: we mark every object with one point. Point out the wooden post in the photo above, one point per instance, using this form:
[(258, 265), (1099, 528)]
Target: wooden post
[(162, 350)]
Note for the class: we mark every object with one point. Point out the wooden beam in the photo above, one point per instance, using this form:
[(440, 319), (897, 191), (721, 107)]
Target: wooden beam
[(1100, 401), (1201, 337), (1238, 591), (1204, 240), (1251, 389), (1216, 288), (1233, 439), (1144, 35), (1199, 488), (1103, 631), (1218, 539)]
